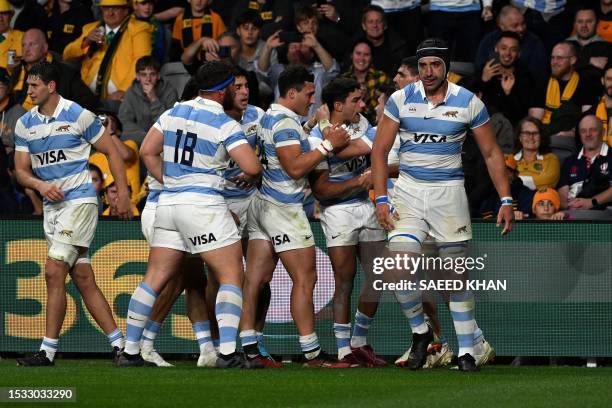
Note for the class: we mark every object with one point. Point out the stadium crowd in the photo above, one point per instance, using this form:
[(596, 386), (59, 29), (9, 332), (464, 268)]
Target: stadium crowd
[(538, 67)]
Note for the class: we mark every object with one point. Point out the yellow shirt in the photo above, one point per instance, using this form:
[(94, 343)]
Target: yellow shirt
[(11, 42), (544, 171), (135, 212), (135, 43), (132, 169)]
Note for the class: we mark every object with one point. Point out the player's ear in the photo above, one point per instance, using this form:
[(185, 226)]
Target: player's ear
[(52, 85), (338, 106)]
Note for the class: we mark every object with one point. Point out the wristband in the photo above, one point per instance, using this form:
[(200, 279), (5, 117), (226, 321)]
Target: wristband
[(324, 123), (322, 150), (327, 146), (506, 201), (382, 200), (308, 127)]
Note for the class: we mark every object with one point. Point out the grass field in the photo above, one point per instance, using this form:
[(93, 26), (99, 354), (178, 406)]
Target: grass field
[(99, 384)]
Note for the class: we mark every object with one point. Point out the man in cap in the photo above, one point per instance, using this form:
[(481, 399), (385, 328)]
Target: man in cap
[(108, 50), (9, 39), (432, 117)]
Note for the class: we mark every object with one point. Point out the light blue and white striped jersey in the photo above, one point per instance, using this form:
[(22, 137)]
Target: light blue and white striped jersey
[(250, 122), (198, 135), (392, 158), (59, 149), (345, 169), (543, 6), (458, 6), (155, 189), (431, 135), (393, 6), (280, 127)]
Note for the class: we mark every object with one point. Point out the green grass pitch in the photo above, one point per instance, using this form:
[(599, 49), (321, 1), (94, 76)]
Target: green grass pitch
[(99, 384)]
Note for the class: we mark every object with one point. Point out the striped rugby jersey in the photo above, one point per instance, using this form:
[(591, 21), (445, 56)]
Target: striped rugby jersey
[(392, 158), (431, 136), (280, 127), (543, 6), (198, 135), (155, 188), (250, 122), (345, 169), (59, 149)]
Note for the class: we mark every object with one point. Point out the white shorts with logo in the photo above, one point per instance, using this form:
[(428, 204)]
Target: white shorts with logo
[(350, 224), (440, 212), (285, 225), (240, 207), (194, 228), (71, 224)]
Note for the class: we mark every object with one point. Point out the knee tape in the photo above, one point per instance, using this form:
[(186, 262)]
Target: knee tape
[(63, 252), (83, 258), (452, 249)]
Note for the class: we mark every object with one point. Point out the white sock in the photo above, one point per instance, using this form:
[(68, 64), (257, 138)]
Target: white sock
[(50, 347), (115, 338)]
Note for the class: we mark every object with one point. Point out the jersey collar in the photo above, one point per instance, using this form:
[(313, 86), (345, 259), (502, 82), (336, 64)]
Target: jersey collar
[(452, 89), (61, 104)]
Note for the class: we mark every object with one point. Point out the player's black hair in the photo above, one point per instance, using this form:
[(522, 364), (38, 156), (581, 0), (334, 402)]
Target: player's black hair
[(212, 74), (46, 71), (412, 64), (387, 90), (293, 77), (239, 71), (337, 91), (190, 90)]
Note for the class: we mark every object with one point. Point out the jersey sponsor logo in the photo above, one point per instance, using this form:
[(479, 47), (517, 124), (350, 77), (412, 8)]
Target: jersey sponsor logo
[(427, 138), (63, 128), (66, 233), (50, 157), (450, 114), (411, 109), (356, 163), (280, 239), (203, 239)]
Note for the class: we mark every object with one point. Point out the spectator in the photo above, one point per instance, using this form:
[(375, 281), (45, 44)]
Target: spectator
[(147, 98), (36, 49), (97, 179), (129, 153), (505, 85), (108, 51), (546, 204), (248, 28), (536, 165), (11, 38), (66, 22), (459, 23), (197, 27), (368, 77), (593, 51), (111, 196), (276, 14), (549, 20), (604, 18), (304, 53), (334, 40), (404, 17), (162, 39), (604, 108), (407, 73), (387, 48), (336, 17), (586, 178), (522, 197), (28, 14), (533, 55), (567, 94), (10, 111)]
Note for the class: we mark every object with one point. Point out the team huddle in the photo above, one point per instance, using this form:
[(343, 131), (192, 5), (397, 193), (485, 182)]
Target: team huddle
[(228, 181)]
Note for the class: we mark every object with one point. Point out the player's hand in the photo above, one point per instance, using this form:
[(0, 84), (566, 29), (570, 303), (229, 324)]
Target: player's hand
[(338, 136), (243, 181), (124, 206), (51, 192), (365, 180), (274, 40), (490, 70), (385, 218), (505, 215), (322, 113)]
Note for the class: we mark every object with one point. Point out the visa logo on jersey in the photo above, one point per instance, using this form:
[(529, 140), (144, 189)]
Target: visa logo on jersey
[(356, 163), (428, 138), (50, 157), (202, 239)]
